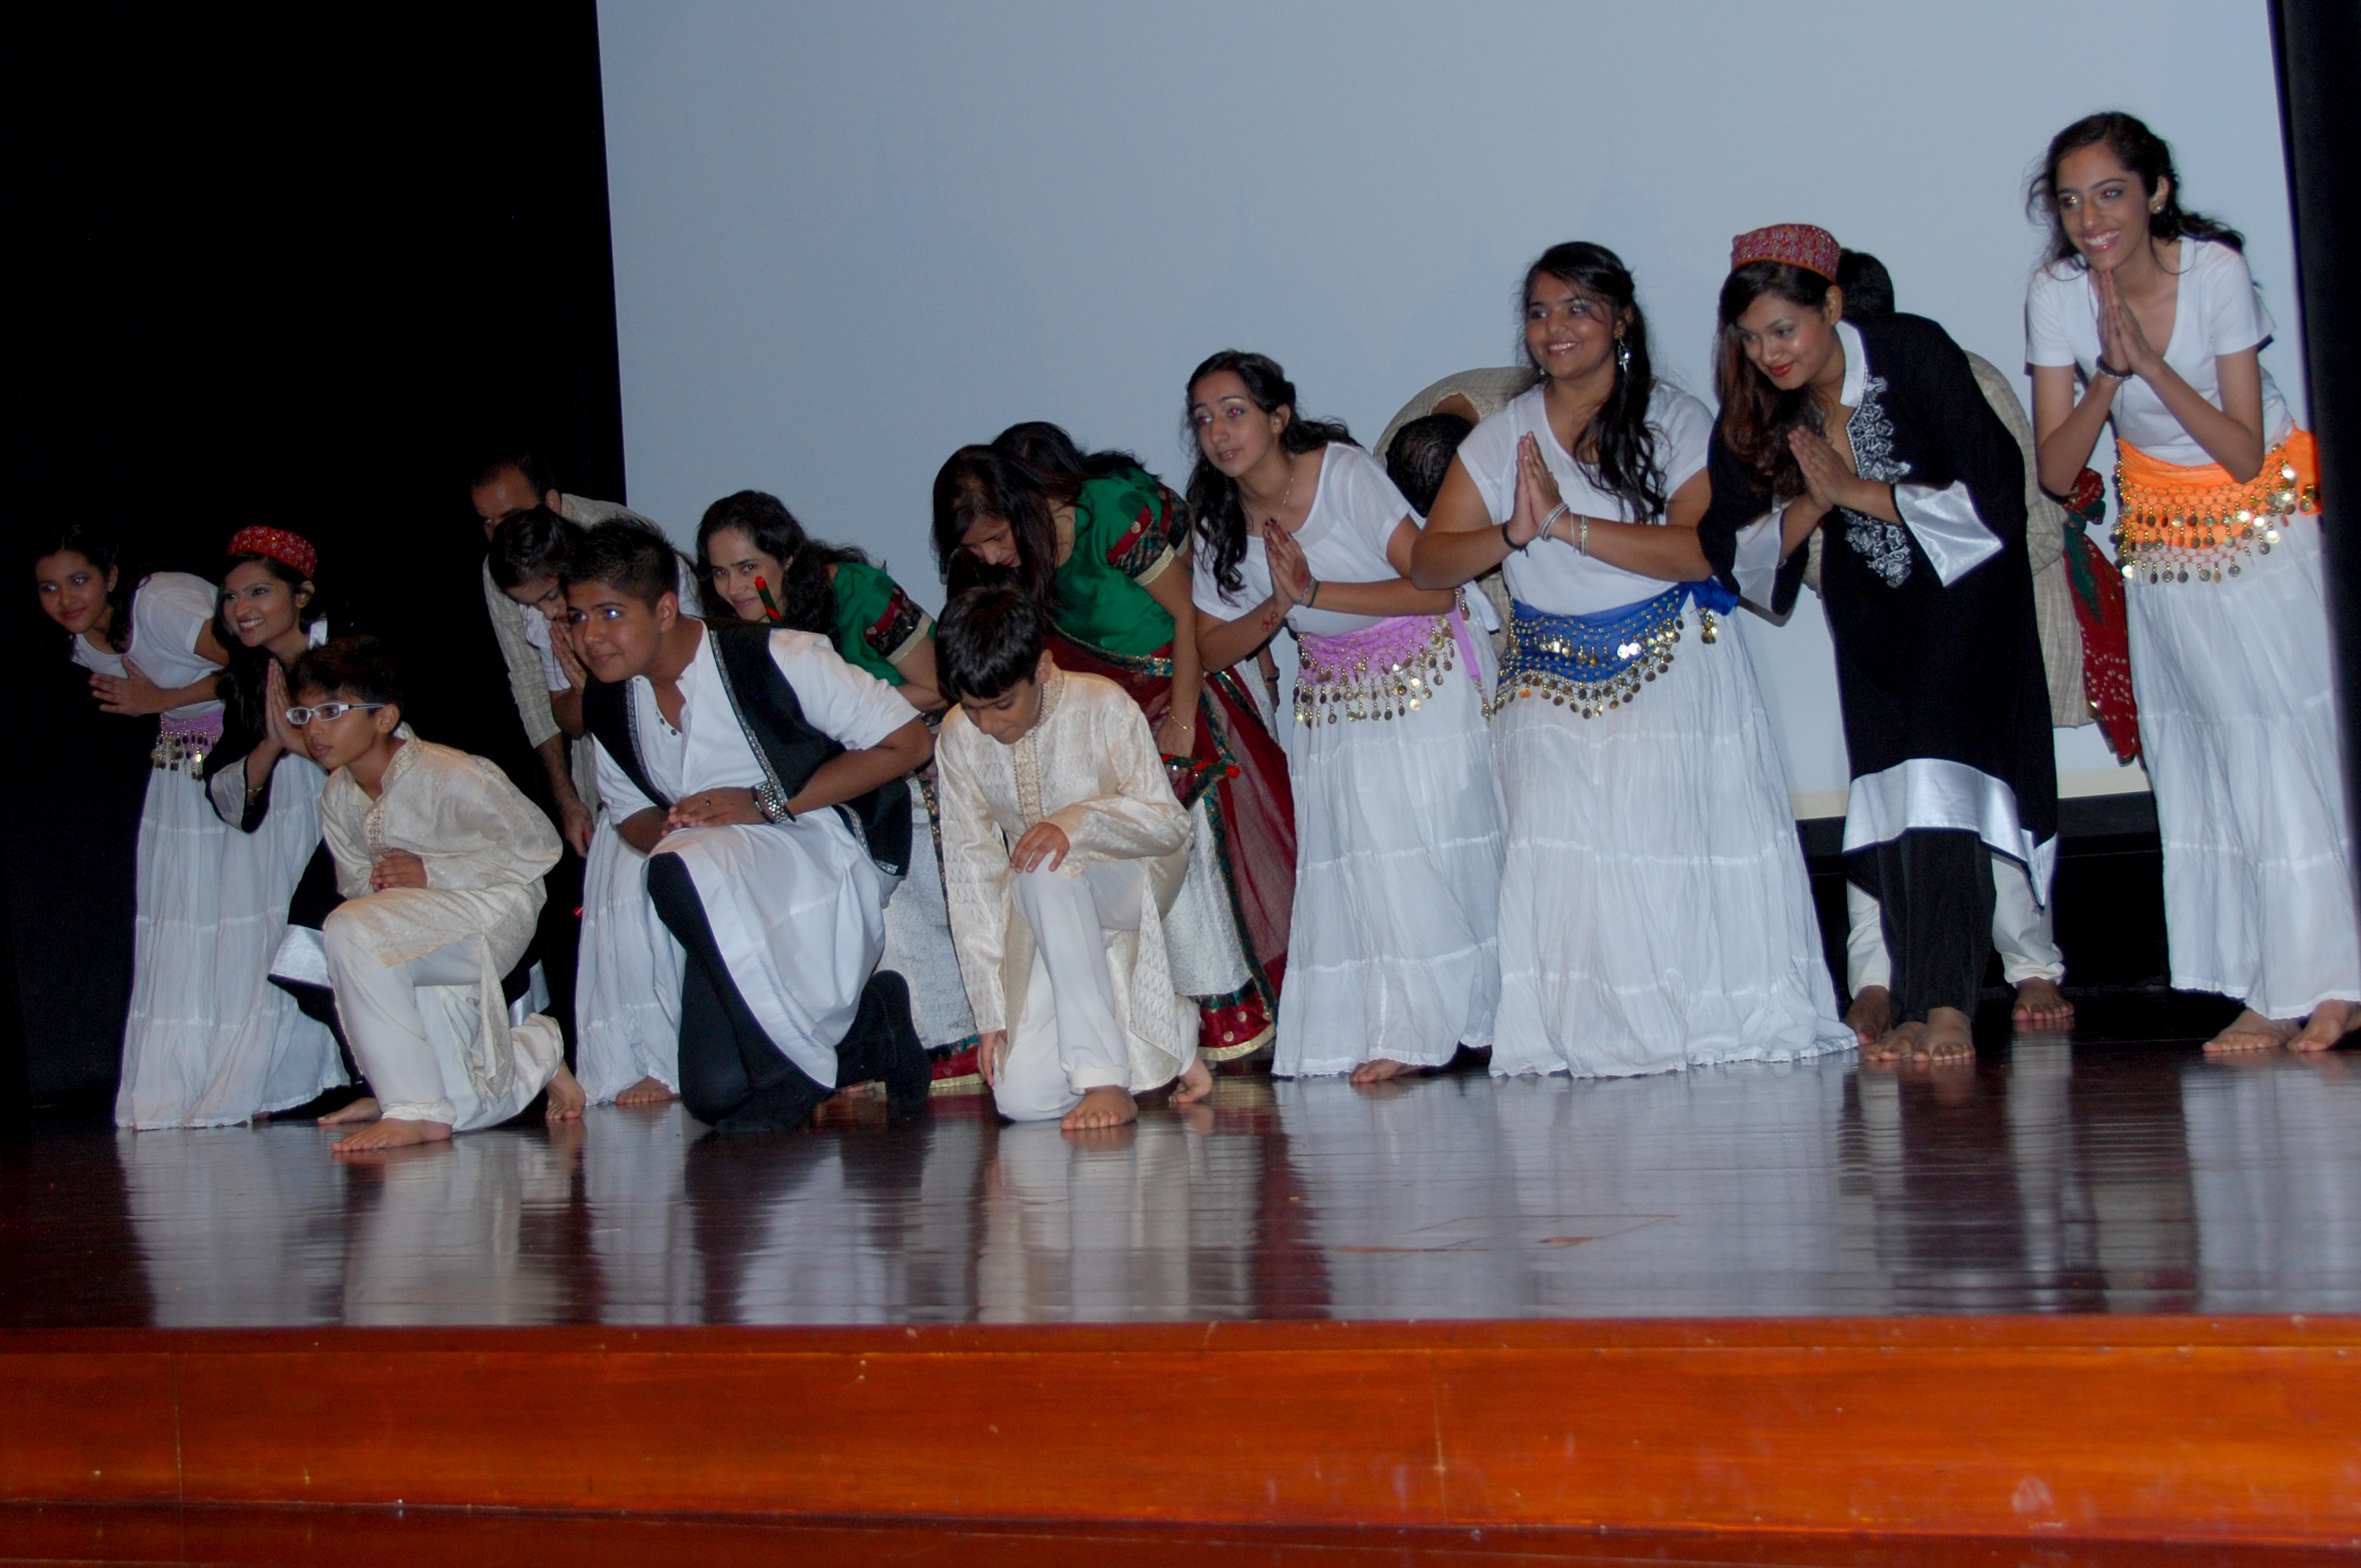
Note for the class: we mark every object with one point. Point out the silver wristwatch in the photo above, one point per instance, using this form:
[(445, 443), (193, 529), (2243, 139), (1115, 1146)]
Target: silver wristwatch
[(772, 802)]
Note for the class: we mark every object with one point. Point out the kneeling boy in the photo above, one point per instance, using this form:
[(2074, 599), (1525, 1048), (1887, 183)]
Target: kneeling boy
[(440, 859), (1063, 846), (762, 775)]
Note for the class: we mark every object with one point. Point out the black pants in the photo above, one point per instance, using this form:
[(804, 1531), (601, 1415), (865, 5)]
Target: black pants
[(728, 1065), (1934, 887), (732, 1075)]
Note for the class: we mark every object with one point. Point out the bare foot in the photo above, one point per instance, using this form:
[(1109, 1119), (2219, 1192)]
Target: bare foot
[(1195, 1083), (1870, 1016), (392, 1133), (1947, 1036), (2250, 1031), (361, 1110), (2041, 1006), (1103, 1107), (649, 1091), (1895, 1043), (2330, 1021), (1380, 1070), (566, 1096)]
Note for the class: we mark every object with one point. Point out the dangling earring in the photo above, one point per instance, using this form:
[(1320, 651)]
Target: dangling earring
[(1622, 356)]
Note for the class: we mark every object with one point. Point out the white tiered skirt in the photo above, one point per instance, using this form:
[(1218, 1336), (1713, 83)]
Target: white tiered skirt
[(1654, 914), (210, 1042), (1398, 831), (2239, 725)]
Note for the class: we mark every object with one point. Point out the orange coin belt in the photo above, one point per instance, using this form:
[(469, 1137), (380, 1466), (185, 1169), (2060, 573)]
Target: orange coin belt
[(2173, 524)]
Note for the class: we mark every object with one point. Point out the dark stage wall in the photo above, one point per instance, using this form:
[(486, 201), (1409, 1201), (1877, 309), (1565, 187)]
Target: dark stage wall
[(293, 274)]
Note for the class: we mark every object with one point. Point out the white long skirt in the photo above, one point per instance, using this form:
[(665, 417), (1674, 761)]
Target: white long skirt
[(1397, 832), (2239, 724), (210, 1042), (919, 941), (1654, 913), (798, 912), (627, 985)]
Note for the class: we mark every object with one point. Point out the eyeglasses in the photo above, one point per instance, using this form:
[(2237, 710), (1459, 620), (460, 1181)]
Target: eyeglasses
[(297, 717)]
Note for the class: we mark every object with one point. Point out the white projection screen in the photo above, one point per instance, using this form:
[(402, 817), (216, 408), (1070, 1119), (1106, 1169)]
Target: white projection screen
[(851, 237)]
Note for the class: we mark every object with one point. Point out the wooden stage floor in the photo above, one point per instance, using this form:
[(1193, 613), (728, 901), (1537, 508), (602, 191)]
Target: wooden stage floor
[(2093, 1295), (2095, 1176)]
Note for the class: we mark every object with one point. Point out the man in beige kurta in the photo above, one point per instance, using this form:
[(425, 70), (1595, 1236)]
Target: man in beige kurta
[(1068, 958)]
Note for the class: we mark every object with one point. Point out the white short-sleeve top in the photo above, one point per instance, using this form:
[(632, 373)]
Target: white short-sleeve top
[(169, 609), (1553, 576), (1355, 510), (2216, 310)]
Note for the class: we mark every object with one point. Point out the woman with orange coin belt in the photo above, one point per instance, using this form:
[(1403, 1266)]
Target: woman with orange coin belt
[(2144, 315)]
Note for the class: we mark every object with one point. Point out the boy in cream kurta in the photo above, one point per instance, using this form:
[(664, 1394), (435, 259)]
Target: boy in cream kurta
[(440, 859), (1063, 845)]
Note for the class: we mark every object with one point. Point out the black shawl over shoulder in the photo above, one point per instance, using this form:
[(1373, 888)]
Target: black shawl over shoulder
[(1925, 671), (790, 749)]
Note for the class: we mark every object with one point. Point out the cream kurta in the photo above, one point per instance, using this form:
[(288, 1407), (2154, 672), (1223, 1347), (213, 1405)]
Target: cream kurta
[(486, 849), (1090, 765)]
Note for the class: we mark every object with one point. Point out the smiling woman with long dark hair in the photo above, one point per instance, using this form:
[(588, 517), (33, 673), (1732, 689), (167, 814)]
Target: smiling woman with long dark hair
[(1654, 910), (1876, 431), (2145, 316)]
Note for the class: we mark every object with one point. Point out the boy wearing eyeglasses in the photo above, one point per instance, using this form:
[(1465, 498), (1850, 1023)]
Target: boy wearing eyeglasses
[(440, 859)]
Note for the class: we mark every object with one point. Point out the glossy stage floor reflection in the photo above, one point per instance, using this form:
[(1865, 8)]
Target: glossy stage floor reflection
[(2050, 1178)]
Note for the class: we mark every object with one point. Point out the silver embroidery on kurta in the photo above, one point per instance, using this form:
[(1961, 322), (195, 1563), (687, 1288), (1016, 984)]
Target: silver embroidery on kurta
[(1885, 546)]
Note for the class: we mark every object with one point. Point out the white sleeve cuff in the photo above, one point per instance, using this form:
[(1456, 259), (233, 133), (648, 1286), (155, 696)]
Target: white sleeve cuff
[(1946, 527), (1755, 562)]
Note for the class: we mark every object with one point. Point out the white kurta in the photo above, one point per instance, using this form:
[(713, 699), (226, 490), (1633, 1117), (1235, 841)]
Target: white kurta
[(486, 849), (798, 908), (1654, 914), (627, 987), (1090, 765), (1397, 821), (209, 1040), (2238, 716)]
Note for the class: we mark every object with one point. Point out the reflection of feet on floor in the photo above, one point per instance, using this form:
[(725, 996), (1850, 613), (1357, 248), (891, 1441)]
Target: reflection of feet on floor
[(2330, 1023), (1102, 1109), (649, 1091), (2250, 1031), (361, 1110), (2041, 1006), (566, 1097), (392, 1133), (1381, 1071), (1870, 1016)]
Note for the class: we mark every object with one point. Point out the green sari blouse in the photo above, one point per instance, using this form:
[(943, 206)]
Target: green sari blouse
[(1128, 530), (876, 622)]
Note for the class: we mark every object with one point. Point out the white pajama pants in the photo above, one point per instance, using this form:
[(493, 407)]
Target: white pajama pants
[(410, 1026), (1070, 1039), (2020, 930)]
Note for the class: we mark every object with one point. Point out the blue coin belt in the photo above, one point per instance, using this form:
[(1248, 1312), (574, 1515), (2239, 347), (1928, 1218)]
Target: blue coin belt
[(1594, 663)]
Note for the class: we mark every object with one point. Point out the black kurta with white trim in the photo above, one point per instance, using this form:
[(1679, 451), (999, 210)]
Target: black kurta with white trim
[(1938, 656)]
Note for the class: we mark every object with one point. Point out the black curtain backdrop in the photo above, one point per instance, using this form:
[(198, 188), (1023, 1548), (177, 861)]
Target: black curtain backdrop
[(282, 268), (2319, 52)]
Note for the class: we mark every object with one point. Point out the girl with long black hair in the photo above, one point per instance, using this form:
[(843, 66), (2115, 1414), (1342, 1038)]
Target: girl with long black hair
[(1654, 913), (1103, 548), (1397, 814), (2144, 315), (1877, 430)]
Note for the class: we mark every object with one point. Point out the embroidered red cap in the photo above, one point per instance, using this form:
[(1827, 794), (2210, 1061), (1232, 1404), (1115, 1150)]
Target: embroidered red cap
[(1798, 245), (278, 544)]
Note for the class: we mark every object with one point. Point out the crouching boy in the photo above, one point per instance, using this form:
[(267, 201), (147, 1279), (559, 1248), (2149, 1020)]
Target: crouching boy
[(440, 859), (1063, 846)]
